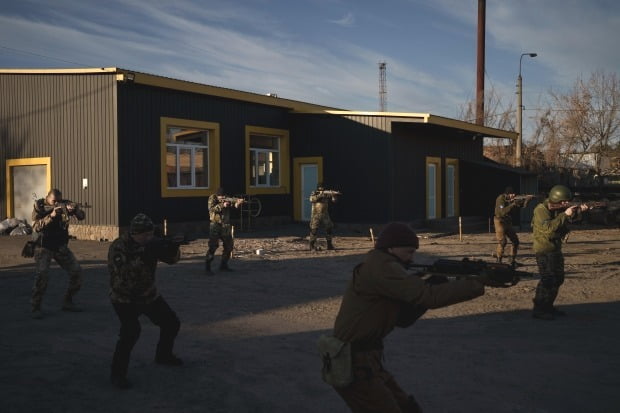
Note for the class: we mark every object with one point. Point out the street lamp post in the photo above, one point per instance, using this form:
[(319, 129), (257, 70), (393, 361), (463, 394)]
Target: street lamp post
[(520, 111)]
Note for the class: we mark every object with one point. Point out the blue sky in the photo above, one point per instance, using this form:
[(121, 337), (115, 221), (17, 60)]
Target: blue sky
[(325, 51)]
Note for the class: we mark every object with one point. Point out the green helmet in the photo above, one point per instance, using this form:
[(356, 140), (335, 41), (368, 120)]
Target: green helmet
[(559, 193)]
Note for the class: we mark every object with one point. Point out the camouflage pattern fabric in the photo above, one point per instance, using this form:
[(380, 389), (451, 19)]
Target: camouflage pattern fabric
[(219, 232), (320, 216), (218, 213), (141, 223), (132, 269), (67, 261)]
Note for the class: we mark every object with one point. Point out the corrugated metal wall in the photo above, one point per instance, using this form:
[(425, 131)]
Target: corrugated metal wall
[(140, 110), (413, 142), (356, 161), (72, 119)]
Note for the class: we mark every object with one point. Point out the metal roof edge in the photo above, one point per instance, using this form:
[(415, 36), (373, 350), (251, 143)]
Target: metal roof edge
[(472, 127), (182, 85), (425, 118), (60, 71)]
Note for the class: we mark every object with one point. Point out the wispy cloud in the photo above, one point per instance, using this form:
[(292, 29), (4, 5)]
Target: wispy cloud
[(348, 20)]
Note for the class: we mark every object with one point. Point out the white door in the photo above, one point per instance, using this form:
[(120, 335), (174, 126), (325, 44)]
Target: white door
[(28, 181), (309, 181), (450, 199)]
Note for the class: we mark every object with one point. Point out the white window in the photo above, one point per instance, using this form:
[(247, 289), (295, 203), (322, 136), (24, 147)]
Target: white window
[(264, 160), (187, 157)]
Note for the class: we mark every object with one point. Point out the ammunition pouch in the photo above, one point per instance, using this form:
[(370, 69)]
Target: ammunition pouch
[(28, 250), (337, 367)]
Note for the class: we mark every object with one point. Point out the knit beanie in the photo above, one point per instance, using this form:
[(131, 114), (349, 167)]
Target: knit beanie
[(140, 224), (396, 234)]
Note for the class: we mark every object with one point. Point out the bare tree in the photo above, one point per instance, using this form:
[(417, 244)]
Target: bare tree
[(496, 115), (583, 122)]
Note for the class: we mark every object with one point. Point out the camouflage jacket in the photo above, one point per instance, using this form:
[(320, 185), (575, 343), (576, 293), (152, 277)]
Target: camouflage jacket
[(53, 231), (549, 227), (320, 202), (218, 213), (503, 208), (132, 269), (380, 285)]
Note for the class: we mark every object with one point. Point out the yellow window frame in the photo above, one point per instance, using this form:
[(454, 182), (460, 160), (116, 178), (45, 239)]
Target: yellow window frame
[(10, 163), (285, 160), (214, 157)]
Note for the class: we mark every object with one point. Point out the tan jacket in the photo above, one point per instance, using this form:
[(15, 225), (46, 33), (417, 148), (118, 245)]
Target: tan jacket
[(379, 286)]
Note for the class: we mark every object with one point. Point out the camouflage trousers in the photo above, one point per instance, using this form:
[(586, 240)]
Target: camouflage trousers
[(321, 220), (219, 232), (374, 389), (551, 270), (67, 261), (504, 231)]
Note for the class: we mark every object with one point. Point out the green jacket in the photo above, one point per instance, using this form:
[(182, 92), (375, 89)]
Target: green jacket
[(372, 301), (503, 208), (549, 227)]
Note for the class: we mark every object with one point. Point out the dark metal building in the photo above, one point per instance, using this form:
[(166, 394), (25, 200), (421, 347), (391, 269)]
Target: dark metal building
[(127, 142)]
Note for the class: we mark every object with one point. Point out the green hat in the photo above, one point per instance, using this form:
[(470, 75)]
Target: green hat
[(559, 193), (140, 224)]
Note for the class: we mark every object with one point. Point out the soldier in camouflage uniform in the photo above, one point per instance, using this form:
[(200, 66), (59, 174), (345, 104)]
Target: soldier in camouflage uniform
[(132, 260), (504, 205), (320, 216), (51, 216), (550, 226), (220, 228)]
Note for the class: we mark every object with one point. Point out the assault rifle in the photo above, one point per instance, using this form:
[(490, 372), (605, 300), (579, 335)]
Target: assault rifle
[(589, 204), (330, 192), (232, 200), (523, 199), (65, 203), (494, 274)]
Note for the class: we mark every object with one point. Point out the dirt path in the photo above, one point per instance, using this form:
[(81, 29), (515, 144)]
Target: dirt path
[(248, 338)]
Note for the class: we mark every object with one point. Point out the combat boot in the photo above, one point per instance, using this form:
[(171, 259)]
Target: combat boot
[(169, 360), (69, 305), (208, 268), (312, 245), (224, 267), (120, 382), (543, 312), (36, 313), (330, 246)]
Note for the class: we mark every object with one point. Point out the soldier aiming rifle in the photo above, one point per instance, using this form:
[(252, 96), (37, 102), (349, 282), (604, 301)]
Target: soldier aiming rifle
[(504, 206), (320, 200), (220, 228), (51, 216)]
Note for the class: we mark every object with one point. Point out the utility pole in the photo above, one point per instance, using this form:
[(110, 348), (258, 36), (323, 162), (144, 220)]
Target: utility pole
[(382, 88), (480, 63)]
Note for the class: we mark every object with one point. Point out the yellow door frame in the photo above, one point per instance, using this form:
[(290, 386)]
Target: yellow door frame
[(11, 163), (297, 164)]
